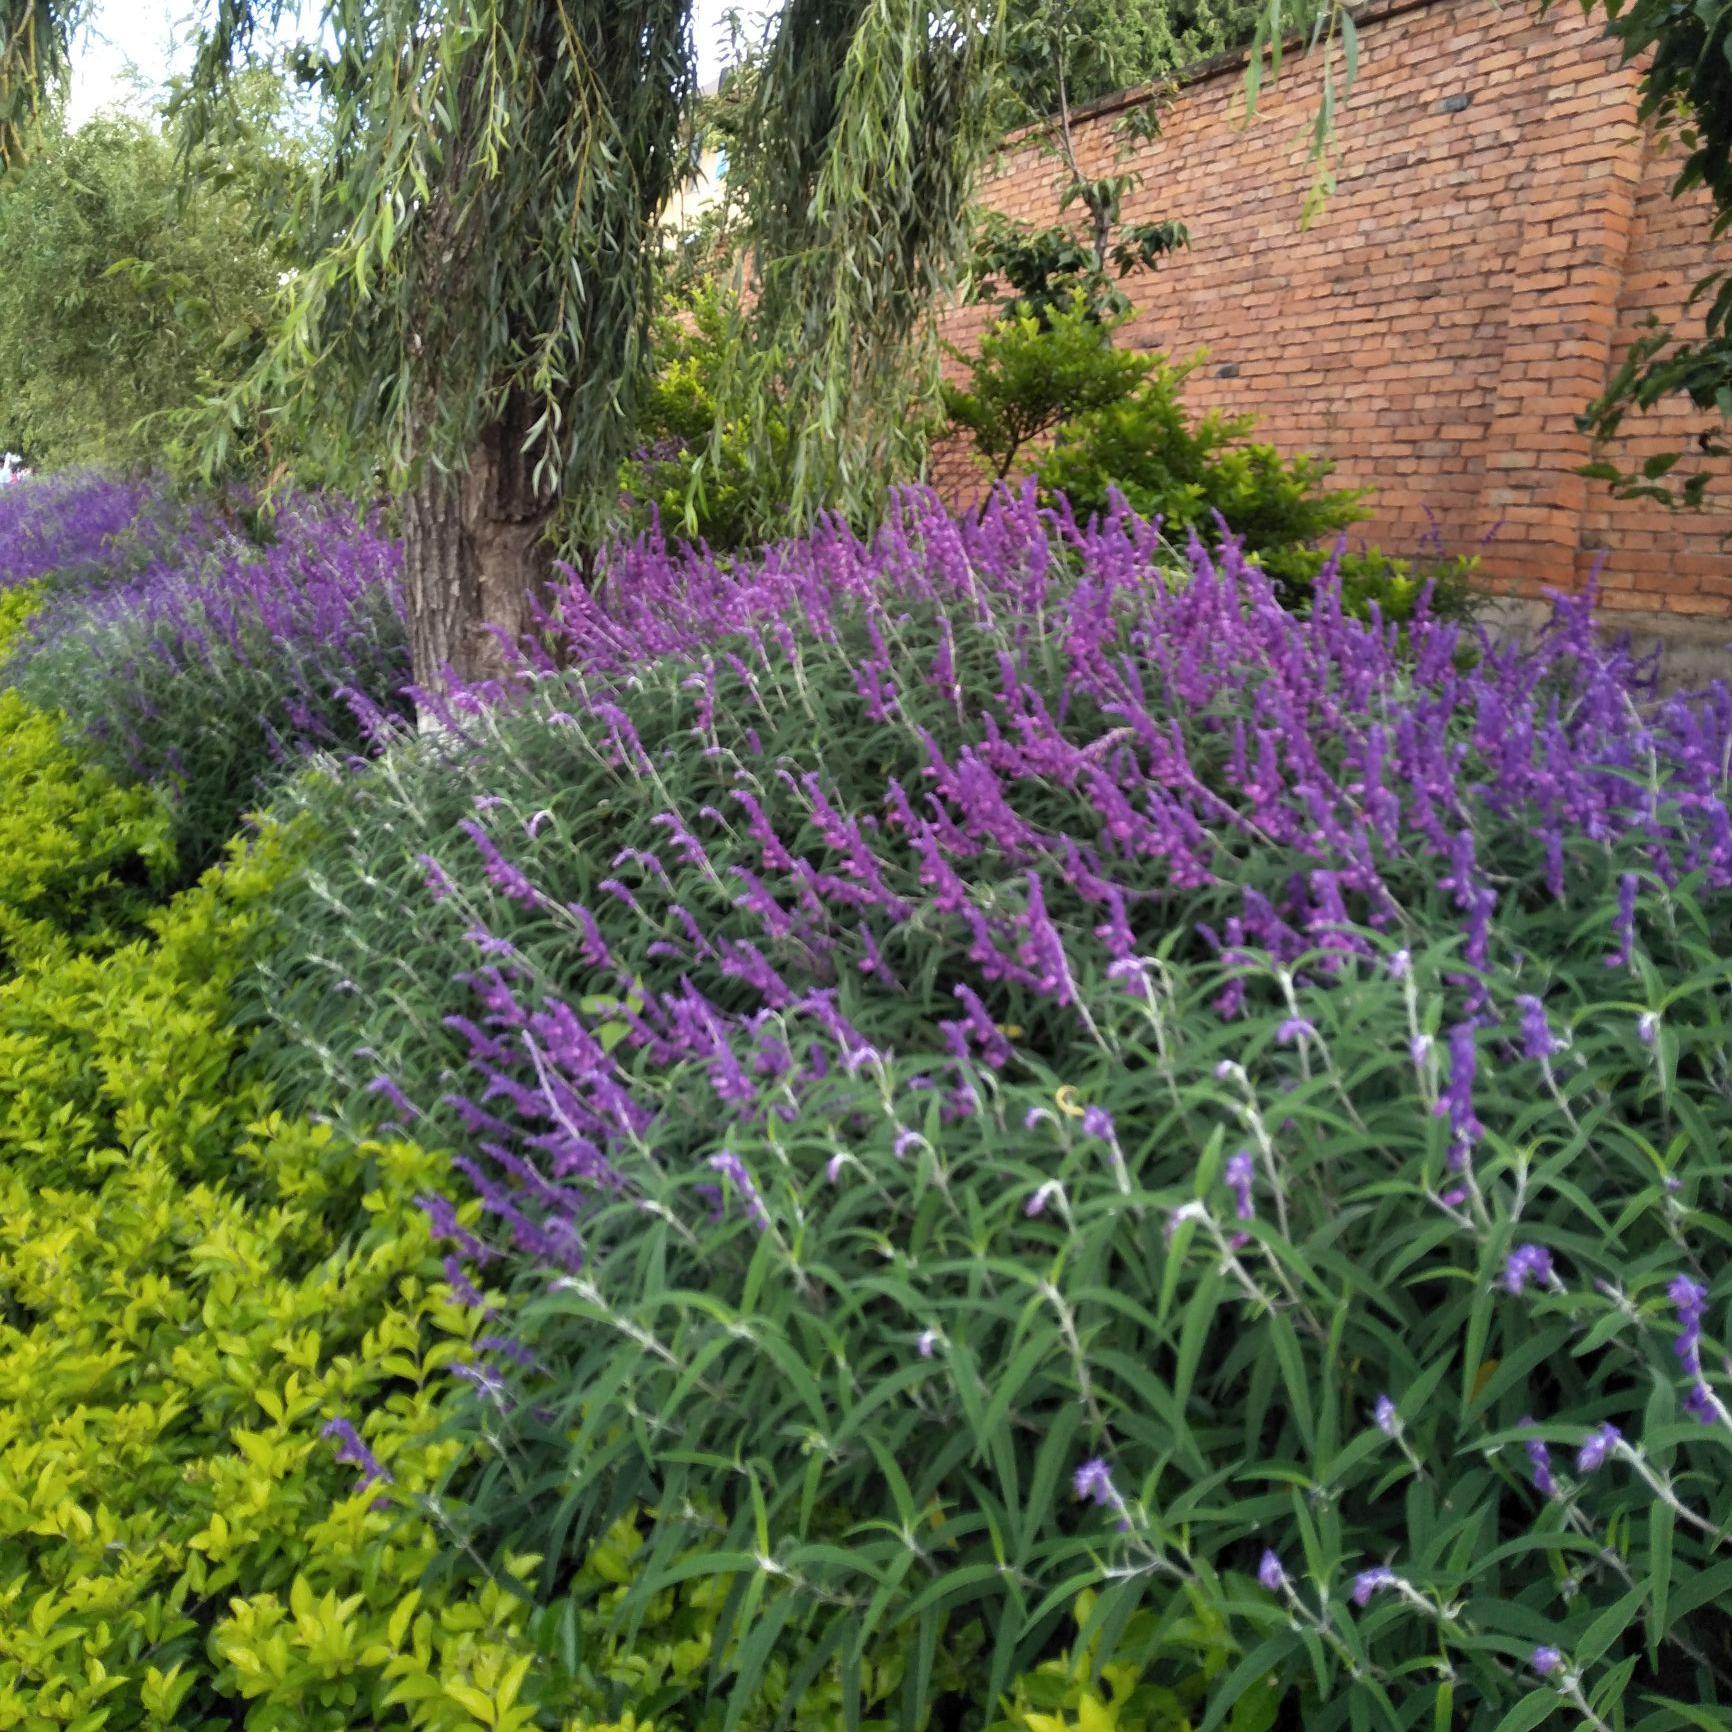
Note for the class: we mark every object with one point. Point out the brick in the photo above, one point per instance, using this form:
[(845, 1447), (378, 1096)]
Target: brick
[(1465, 294)]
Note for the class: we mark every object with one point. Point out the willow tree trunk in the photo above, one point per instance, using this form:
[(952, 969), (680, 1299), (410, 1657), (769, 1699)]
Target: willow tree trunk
[(477, 561)]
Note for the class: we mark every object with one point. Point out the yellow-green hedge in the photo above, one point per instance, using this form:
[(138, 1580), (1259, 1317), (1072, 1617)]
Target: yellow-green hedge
[(191, 1287), (77, 853)]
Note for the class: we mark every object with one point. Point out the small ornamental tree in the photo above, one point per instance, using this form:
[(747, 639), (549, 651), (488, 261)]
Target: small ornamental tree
[(1029, 377)]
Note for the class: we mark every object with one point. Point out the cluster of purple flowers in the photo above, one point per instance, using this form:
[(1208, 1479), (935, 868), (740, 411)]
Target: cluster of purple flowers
[(1691, 1299), (352, 1450), (215, 658), (1194, 724), (87, 526)]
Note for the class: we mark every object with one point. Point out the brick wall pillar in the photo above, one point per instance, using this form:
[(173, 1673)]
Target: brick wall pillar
[(1585, 152)]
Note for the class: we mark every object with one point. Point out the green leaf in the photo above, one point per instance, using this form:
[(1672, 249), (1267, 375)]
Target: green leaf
[(1661, 1523), (1252, 1673), (1534, 1709)]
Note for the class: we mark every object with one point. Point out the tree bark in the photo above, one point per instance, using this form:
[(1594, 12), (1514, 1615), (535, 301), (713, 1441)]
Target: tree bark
[(477, 560)]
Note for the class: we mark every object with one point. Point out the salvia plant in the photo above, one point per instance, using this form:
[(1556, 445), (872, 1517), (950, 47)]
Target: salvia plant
[(219, 661), (82, 525), (1002, 1085)]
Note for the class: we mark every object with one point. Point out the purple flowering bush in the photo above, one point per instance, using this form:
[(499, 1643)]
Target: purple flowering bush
[(213, 666), (1000, 1082), (85, 526)]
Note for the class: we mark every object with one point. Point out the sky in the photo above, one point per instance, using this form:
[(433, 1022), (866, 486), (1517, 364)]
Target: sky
[(133, 41)]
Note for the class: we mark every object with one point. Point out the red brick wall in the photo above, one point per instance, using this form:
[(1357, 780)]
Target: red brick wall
[(1464, 295)]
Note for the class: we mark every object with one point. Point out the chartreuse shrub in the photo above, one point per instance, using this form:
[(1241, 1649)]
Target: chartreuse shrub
[(194, 1289), (78, 854), (1006, 1090), (223, 1332), (716, 490)]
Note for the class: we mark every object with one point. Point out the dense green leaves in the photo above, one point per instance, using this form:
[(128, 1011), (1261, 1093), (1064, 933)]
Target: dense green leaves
[(866, 122), (862, 1421), (128, 293), (34, 40), (1058, 52), (480, 244)]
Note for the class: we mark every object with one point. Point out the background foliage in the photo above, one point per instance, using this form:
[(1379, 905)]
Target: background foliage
[(1098, 48), (129, 291)]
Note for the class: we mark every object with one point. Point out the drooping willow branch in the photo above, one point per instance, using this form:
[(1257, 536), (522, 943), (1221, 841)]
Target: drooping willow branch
[(35, 38)]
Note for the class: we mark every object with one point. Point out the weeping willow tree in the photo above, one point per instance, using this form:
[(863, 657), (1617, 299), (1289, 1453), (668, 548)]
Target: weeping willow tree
[(34, 39), (469, 328), (857, 154)]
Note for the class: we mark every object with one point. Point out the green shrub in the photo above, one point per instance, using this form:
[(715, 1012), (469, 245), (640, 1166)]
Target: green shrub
[(1118, 424), (714, 493), (1032, 374), (136, 282), (191, 1288), (1368, 577), (79, 856), (1191, 473)]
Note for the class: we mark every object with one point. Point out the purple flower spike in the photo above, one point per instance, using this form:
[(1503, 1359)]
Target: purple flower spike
[(1624, 925), (352, 1451), (1591, 1457), (1097, 1122), (1456, 1102), (384, 1086), (1036, 1205), (1546, 1661), (1691, 1300), (1648, 1027), (1538, 1041), (1527, 1263), (1241, 1175), (733, 1169), (1093, 1482), (1270, 1573), (1540, 1460), (1388, 1420), (1369, 1582), (1295, 1028)]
